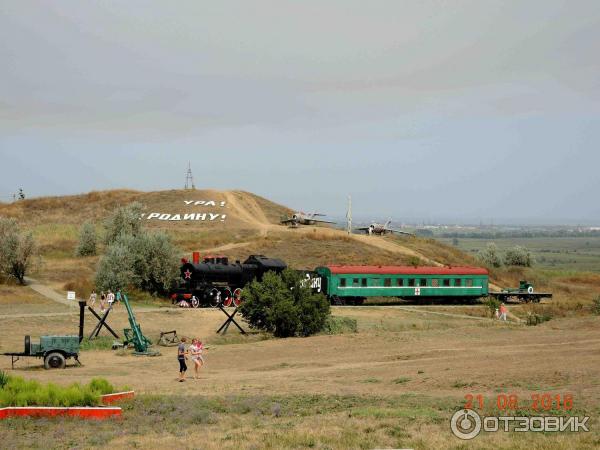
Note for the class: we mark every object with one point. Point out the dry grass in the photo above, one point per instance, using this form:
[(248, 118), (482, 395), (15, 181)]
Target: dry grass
[(394, 384), (15, 299), (249, 422)]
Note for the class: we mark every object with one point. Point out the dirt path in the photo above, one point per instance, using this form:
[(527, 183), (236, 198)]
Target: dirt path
[(49, 293), (249, 211)]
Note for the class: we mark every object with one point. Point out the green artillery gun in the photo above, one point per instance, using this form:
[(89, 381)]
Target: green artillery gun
[(524, 287), (134, 334), (525, 292), (55, 350)]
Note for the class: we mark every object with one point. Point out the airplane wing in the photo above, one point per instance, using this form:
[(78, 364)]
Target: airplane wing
[(362, 229), (321, 221), (287, 221), (399, 231)]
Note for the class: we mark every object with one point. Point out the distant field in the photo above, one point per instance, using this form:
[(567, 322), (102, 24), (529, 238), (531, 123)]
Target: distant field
[(581, 254)]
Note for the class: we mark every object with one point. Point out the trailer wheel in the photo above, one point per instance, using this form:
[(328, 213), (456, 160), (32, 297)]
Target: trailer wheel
[(54, 360)]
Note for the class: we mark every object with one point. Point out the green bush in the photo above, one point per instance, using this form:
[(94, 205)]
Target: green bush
[(18, 251), (87, 240), (101, 385), (534, 319), (518, 256), (17, 391), (490, 256), (281, 305), (340, 325), (3, 378), (493, 304), (125, 220), (148, 261), (596, 306)]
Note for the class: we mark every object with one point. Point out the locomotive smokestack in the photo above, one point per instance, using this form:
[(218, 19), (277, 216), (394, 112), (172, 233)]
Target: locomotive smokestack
[(196, 257)]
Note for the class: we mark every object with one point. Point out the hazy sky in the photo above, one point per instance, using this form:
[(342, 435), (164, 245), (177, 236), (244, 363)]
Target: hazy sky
[(429, 110)]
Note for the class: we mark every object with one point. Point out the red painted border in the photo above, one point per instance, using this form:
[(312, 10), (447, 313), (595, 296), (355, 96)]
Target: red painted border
[(51, 411), (109, 399)]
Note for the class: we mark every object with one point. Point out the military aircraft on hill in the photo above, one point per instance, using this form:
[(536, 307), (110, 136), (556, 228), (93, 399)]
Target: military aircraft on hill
[(382, 229), (300, 218)]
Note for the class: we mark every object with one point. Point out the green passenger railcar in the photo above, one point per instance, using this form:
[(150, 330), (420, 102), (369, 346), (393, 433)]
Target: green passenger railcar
[(354, 284)]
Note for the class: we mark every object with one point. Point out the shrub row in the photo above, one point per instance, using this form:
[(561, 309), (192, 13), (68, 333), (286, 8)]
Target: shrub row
[(16, 391)]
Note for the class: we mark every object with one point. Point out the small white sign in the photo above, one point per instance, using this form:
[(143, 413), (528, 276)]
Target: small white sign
[(70, 295)]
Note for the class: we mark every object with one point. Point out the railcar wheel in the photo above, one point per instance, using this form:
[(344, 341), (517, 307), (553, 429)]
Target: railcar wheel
[(227, 297), (55, 360), (338, 301), (237, 297)]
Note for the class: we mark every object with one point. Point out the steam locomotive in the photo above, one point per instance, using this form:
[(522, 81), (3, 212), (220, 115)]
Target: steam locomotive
[(216, 281)]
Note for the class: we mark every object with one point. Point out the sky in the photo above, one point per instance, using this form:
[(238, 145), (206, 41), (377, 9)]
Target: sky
[(454, 111)]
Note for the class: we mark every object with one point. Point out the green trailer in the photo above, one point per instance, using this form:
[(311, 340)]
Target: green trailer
[(54, 350), (353, 284)]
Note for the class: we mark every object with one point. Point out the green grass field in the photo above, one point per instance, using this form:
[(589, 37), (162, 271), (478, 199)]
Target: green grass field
[(581, 254)]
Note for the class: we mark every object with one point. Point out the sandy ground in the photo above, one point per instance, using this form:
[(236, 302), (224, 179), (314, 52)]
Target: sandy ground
[(440, 356)]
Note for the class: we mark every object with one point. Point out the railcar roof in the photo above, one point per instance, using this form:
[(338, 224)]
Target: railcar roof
[(407, 270)]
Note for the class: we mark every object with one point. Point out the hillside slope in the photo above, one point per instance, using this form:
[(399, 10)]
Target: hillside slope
[(235, 223)]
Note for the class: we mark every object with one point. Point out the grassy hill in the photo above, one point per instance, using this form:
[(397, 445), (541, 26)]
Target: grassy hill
[(250, 225)]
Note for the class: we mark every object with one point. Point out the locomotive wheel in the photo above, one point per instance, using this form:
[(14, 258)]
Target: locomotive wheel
[(215, 301), (54, 360), (227, 297), (237, 297), (195, 302)]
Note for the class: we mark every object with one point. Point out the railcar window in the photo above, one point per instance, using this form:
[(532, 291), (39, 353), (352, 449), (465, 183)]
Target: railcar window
[(435, 282), (342, 282), (411, 281), (400, 281), (447, 282), (355, 282), (469, 282), (423, 282), (387, 282), (457, 282), (364, 281)]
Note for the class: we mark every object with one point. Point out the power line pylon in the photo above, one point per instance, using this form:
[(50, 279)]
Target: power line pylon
[(189, 178), (349, 215)]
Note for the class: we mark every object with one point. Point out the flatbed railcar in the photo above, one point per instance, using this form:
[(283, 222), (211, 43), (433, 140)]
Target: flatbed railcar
[(525, 292), (354, 284)]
